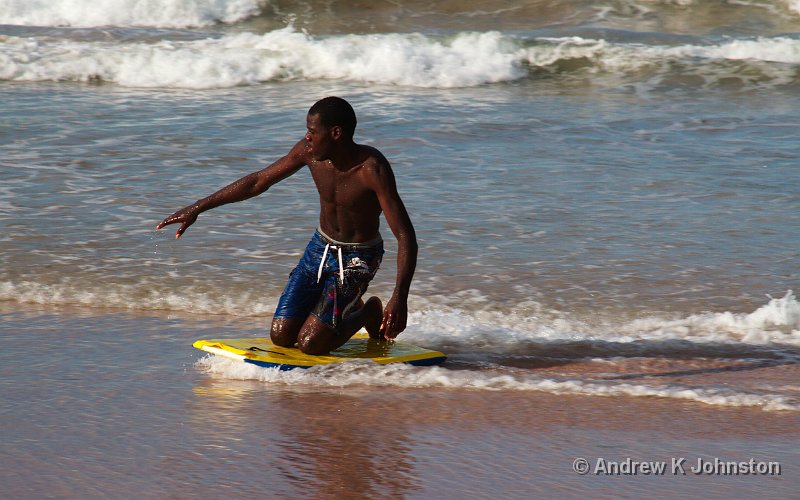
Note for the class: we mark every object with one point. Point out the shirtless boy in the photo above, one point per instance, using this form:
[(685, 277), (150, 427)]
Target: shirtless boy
[(321, 306)]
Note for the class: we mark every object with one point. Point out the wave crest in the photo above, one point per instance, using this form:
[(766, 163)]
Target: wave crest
[(145, 13), (410, 59)]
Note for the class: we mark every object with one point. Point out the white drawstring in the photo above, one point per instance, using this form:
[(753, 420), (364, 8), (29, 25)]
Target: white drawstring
[(322, 263)]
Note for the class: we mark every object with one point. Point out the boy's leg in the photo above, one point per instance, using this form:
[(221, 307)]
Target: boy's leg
[(284, 331), (299, 297), (294, 307), (317, 337)]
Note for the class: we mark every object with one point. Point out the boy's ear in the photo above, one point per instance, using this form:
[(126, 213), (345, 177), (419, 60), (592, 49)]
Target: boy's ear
[(336, 131)]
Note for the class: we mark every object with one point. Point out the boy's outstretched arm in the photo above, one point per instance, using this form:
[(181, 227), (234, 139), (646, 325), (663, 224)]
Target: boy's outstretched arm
[(247, 187)]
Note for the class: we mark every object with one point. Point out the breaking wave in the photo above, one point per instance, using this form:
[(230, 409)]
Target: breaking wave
[(150, 13), (408, 59), (437, 323)]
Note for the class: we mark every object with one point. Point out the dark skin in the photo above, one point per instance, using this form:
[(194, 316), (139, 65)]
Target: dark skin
[(356, 184)]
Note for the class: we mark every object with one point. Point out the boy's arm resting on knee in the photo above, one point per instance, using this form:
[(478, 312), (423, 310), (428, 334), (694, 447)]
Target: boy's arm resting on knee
[(395, 314)]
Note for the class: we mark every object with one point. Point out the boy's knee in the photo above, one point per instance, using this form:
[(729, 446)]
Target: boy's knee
[(283, 331), (315, 338)]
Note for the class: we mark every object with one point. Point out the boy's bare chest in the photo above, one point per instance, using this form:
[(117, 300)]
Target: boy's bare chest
[(342, 188)]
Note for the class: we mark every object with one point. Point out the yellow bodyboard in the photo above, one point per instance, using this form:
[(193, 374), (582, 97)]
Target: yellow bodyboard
[(262, 352)]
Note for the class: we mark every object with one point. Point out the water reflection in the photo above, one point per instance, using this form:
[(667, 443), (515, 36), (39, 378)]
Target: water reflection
[(334, 442)]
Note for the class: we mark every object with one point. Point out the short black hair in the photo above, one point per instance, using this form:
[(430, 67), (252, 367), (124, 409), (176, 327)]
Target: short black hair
[(334, 111)]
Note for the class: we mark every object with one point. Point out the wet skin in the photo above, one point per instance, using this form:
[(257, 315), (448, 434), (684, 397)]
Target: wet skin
[(355, 184)]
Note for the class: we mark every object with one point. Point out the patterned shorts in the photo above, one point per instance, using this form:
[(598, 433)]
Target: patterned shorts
[(317, 284)]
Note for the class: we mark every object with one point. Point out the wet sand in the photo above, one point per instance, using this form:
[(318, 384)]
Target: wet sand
[(93, 409)]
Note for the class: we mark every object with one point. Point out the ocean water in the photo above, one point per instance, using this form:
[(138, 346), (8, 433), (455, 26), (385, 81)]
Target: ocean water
[(606, 195)]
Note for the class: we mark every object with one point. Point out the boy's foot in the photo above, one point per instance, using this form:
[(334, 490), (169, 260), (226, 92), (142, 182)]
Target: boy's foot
[(373, 315)]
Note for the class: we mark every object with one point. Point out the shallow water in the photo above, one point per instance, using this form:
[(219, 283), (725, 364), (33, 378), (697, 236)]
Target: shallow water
[(99, 405), (653, 209)]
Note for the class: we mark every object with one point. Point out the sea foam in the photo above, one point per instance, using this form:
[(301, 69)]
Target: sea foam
[(775, 323), (365, 373)]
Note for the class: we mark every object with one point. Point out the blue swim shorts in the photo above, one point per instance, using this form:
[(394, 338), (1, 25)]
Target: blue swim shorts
[(317, 286)]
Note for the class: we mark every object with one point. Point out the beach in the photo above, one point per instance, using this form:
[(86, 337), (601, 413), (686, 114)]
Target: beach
[(606, 200), (133, 412)]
